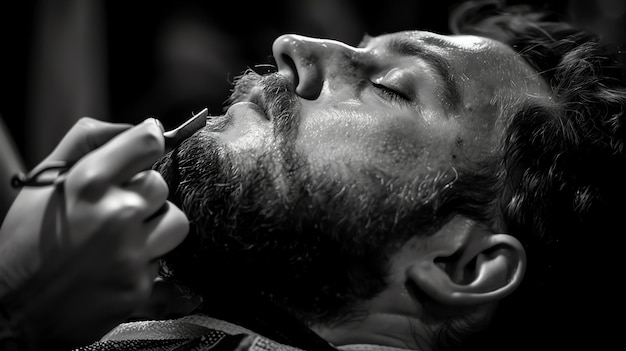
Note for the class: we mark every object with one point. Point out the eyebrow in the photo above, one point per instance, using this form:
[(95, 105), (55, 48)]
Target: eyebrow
[(406, 47)]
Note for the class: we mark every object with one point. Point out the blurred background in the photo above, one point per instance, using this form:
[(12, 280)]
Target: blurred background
[(124, 61)]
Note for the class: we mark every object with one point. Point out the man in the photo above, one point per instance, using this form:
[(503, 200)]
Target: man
[(397, 194)]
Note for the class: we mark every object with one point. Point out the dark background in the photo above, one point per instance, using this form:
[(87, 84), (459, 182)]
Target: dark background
[(123, 61)]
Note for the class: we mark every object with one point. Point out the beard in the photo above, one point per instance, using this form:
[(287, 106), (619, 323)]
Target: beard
[(269, 225)]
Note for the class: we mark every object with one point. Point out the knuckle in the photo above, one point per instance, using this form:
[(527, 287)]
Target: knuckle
[(153, 185), (149, 184), (88, 126), (123, 208), (87, 123), (157, 183), (152, 142), (178, 226), (88, 182), (156, 180), (82, 131), (129, 210)]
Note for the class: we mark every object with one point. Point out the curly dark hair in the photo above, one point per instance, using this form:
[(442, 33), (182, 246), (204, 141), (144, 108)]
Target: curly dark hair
[(562, 180)]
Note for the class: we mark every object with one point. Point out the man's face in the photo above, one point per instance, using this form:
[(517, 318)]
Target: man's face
[(317, 172), (403, 102)]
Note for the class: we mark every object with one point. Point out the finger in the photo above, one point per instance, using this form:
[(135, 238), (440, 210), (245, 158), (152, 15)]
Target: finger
[(167, 230), (121, 158), (150, 186), (85, 135)]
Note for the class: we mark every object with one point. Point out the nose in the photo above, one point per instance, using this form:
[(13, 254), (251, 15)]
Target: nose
[(305, 61)]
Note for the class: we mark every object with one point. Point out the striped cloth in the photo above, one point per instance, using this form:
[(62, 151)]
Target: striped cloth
[(194, 332), (200, 332)]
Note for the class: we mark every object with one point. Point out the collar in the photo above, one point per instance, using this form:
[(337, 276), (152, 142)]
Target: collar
[(368, 347), (230, 328), (171, 329)]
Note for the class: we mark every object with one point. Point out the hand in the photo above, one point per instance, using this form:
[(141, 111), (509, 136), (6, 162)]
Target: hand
[(77, 257)]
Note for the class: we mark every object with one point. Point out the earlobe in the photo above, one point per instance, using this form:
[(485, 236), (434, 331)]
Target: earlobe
[(469, 265)]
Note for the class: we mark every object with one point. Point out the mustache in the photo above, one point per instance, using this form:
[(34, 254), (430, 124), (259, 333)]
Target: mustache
[(277, 97)]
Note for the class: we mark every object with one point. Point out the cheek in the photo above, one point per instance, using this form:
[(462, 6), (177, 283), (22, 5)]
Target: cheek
[(334, 134), (410, 147), (400, 145), (386, 141)]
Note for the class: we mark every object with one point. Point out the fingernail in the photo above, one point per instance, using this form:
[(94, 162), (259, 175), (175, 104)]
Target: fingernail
[(155, 121)]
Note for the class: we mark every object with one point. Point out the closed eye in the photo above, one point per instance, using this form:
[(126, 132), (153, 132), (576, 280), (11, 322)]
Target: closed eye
[(389, 94)]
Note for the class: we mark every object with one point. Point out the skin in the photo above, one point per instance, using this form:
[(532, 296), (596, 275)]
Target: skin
[(93, 235), (344, 117), (408, 110)]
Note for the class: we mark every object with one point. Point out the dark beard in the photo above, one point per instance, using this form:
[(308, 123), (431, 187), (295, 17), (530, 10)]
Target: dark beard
[(317, 246)]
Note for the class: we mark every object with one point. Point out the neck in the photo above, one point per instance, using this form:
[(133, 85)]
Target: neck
[(391, 319), (267, 318), (377, 329)]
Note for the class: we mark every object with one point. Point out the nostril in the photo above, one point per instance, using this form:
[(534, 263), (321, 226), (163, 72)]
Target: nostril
[(292, 69), (305, 76), (298, 59)]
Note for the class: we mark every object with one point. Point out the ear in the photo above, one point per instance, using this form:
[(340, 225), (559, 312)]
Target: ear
[(466, 264)]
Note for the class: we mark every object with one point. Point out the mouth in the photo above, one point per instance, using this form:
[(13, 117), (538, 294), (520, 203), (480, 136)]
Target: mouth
[(256, 97), (272, 96)]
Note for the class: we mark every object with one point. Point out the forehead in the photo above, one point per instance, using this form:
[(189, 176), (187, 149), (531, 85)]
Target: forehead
[(477, 64), (457, 48)]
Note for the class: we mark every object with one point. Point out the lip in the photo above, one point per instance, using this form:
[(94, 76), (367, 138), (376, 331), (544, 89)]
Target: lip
[(247, 126), (247, 108), (256, 97)]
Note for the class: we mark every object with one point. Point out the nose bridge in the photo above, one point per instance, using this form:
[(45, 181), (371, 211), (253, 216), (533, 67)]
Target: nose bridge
[(307, 61), (309, 50)]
